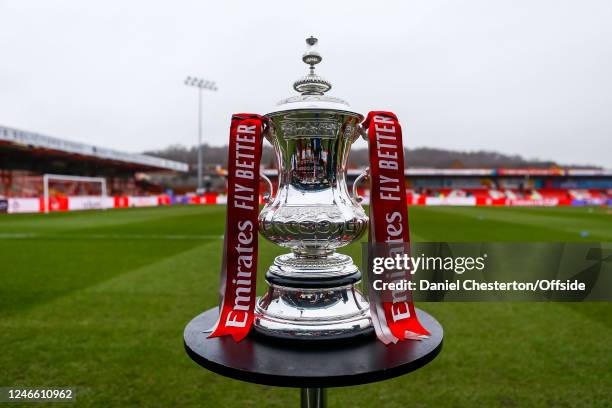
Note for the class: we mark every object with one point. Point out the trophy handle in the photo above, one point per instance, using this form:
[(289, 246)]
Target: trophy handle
[(267, 197), (361, 131), (365, 174)]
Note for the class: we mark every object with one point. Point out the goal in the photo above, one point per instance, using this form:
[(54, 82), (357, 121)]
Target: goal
[(77, 192)]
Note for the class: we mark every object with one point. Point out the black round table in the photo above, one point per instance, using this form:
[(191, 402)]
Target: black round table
[(312, 366)]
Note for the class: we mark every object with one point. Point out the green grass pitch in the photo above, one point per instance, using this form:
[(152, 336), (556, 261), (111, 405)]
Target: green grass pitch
[(98, 301)]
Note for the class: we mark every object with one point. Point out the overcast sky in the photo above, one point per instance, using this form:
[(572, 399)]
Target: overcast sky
[(526, 77)]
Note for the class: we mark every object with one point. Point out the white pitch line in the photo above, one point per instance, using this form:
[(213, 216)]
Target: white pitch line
[(16, 235)]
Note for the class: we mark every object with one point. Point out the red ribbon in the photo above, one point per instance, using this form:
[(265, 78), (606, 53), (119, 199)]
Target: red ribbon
[(239, 269), (393, 314)]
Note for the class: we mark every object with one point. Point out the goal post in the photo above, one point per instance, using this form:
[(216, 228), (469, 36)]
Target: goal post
[(48, 178)]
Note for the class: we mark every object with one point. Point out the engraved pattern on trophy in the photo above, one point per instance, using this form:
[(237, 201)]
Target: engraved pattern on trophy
[(312, 98), (286, 265), (295, 128), (312, 291)]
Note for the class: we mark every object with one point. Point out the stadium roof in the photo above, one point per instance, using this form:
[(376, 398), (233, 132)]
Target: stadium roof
[(32, 140)]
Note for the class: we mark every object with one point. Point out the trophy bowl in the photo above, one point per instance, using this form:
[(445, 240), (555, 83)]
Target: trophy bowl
[(312, 290)]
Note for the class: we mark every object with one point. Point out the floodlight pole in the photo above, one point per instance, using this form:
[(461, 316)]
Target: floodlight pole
[(201, 84), (199, 139)]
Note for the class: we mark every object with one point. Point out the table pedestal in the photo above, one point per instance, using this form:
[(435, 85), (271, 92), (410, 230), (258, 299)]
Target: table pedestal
[(313, 397)]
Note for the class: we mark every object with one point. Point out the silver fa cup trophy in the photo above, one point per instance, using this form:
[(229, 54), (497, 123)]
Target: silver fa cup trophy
[(312, 292)]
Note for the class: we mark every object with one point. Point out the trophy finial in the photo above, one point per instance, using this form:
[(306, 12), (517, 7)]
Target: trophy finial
[(312, 84), (312, 56)]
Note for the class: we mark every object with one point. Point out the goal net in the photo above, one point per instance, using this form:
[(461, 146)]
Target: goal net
[(63, 193)]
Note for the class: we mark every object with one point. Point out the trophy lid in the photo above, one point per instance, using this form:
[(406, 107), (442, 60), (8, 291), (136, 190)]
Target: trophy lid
[(312, 88)]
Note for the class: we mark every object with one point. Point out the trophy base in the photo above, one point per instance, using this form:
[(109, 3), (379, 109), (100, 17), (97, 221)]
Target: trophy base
[(312, 314), (313, 304)]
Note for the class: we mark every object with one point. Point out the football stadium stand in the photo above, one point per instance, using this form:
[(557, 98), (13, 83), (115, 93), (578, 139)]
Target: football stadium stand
[(25, 159), (523, 187), (486, 187)]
